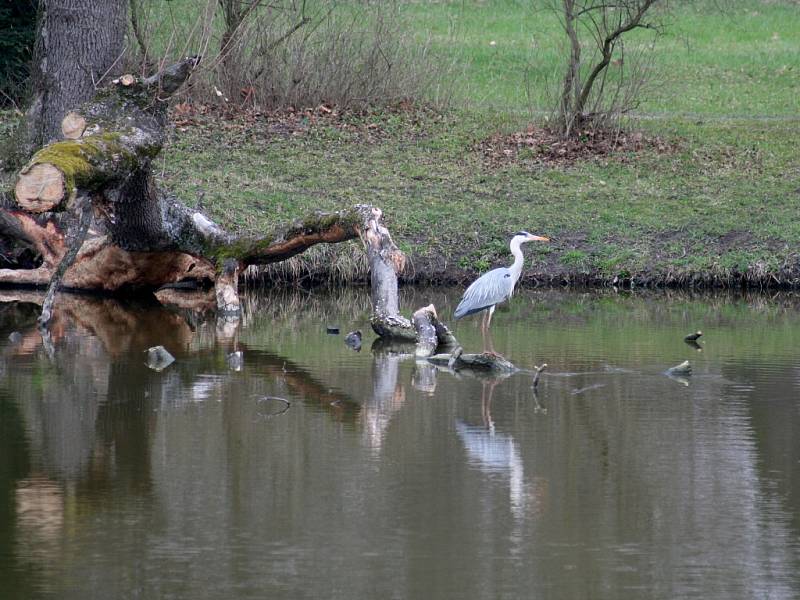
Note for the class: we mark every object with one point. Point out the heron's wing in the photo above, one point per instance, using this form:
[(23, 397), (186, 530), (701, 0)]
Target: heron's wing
[(487, 290)]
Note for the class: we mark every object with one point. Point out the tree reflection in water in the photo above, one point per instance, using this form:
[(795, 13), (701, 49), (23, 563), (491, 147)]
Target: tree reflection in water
[(109, 454)]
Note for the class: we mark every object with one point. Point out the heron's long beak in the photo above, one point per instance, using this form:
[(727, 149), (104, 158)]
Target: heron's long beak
[(538, 238)]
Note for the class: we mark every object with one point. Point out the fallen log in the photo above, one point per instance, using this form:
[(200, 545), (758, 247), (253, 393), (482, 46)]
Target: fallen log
[(142, 238)]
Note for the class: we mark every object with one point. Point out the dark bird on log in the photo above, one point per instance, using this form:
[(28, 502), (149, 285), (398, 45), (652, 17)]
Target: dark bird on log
[(495, 286), (353, 340), (693, 337)]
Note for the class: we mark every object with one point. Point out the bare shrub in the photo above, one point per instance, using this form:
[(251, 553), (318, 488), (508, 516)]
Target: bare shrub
[(604, 76), (293, 52)]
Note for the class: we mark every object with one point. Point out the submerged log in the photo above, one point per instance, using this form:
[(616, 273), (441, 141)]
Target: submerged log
[(434, 336), (486, 362)]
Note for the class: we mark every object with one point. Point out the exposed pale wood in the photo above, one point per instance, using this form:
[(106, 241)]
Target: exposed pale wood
[(73, 125), (40, 276), (226, 288), (426, 332), (447, 341), (103, 266), (385, 262), (40, 188)]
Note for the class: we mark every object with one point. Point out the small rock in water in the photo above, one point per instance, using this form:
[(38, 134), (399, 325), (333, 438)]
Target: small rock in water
[(236, 360), (14, 337), (682, 369), (332, 330), (158, 358), (353, 340)]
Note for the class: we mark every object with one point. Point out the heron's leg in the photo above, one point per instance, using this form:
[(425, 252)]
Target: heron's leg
[(489, 318), (489, 347), (484, 327)]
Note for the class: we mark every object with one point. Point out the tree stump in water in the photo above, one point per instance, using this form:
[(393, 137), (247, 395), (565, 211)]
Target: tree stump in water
[(433, 335)]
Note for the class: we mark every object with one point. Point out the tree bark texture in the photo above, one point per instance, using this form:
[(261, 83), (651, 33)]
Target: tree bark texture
[(385, 262), (79, 45)]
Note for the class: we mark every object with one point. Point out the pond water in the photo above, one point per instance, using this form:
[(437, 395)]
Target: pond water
[(316, 471)]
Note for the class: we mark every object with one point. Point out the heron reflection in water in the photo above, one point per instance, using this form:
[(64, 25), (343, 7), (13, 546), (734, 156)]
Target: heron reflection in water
[(494, 287), (498, 453)]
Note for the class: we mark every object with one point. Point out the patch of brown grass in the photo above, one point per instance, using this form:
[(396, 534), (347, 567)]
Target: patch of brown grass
[(367, 125), (539, 145)]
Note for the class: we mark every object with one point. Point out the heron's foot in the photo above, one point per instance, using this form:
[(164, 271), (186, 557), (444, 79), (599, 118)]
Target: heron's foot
[(493, 354)]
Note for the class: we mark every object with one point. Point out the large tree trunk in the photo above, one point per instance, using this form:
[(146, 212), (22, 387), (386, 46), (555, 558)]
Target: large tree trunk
[(79, 45)]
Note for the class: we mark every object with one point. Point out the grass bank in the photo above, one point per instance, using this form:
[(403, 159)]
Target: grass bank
[(719, 206)]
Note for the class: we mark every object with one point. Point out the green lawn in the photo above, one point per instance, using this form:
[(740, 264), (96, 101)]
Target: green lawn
[(743, 62)]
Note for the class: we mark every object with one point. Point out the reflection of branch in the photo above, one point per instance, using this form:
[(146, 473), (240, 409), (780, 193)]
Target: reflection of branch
[(118, 326), (301, 382), (388, 396)]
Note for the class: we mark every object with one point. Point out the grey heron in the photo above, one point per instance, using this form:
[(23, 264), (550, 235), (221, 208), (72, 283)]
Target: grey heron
[(495, 286)]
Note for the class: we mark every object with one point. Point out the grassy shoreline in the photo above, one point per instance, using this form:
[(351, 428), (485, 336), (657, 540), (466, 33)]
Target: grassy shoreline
[(717, 208)]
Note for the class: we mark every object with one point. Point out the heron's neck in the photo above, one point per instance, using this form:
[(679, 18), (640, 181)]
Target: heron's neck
[(516, 267)]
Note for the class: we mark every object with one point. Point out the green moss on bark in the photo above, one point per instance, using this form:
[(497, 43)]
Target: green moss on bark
[(82, 160)]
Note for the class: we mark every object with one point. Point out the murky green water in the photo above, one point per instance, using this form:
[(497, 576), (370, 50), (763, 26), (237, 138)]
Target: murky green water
[(386, 478)]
